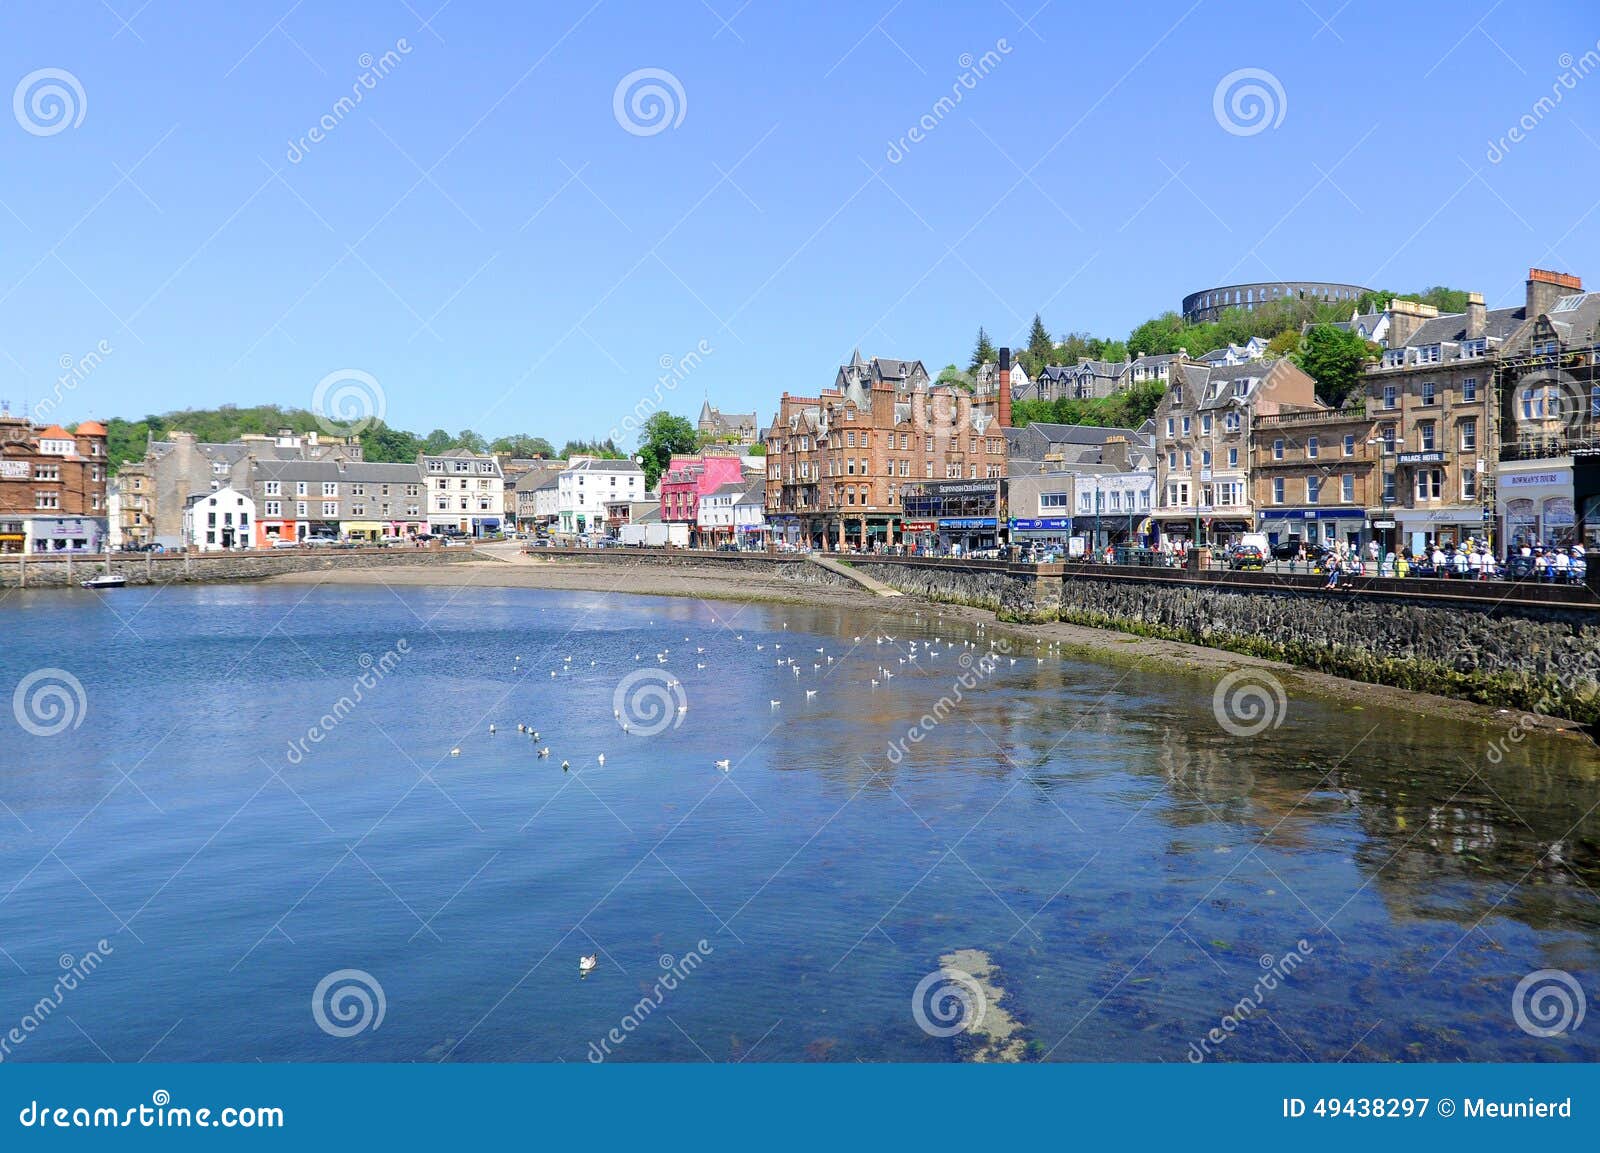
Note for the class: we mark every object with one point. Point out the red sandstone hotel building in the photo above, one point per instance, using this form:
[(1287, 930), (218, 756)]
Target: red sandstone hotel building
[(52, 487), (840, 464)]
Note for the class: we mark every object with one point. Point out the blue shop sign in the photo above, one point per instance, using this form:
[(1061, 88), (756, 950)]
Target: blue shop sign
[(1312, 514), (968, 522), (1042, 523)]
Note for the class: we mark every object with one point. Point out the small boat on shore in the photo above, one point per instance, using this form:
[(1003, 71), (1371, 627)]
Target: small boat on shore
[(105, 580)]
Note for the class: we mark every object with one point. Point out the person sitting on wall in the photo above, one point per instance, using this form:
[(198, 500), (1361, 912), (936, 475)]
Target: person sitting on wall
[(1332, 563)]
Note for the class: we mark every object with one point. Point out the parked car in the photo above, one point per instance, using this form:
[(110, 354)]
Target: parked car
[(1247, 556), (1290, 549), (285, 542), (457, 542)]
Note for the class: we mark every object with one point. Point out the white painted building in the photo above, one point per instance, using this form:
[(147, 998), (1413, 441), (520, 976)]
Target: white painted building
[(219, 520), (585, 487), (735, 511), (465, 492)]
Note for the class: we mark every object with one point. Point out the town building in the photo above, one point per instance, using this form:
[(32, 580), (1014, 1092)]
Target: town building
[(585, 486), (689, 479), (219, 520), (331, 499), (1202, 440), (155, 491), (734, 513), (1095, 483), (1431, 395), (52, 486), (1313, 476), (837, 463), (465, 492), (1547, 477), (537, 505), (730, 428)]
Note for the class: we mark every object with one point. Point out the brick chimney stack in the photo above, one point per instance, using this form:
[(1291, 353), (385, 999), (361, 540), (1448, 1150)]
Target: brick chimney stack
[(1003, 411), (1477, 315), (1546, 287)]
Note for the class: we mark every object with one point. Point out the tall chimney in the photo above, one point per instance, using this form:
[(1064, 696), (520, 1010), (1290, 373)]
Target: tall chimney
[(1546, 287), (1477, 315), (1003, 413)]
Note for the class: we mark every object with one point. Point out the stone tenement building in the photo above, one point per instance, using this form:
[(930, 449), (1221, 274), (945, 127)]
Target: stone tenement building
[(837, 463), (155, 491), (52, 486), (1312, 474), (1203, 428)]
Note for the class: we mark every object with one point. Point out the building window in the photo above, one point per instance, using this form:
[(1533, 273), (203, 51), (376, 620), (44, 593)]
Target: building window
[(1277, 490), (1425, 435), (1388, 488), (1313, 489), (1347, 488), (1469, 435), (1205, 458), (330, 508), (1469, 386), (274, 508), (1311, 448), (1349, 444), (274, 488), (1430, 395), (1390, 396), (1277, 449), (1233, 458), (1205, 424), (330, 488), (1430, 482), (1469, 484)]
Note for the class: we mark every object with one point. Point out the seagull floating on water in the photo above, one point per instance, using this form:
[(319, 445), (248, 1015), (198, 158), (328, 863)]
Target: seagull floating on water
[(585, 964), (601, 758), (723, 765), (456, 752)]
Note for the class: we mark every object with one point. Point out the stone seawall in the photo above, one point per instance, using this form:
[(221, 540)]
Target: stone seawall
[(179, 568), (1525, 648)]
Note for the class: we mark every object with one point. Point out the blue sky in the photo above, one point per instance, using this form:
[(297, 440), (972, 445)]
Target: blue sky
[(483, 237)]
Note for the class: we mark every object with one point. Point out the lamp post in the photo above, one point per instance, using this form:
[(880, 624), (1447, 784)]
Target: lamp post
[(1099, 500)]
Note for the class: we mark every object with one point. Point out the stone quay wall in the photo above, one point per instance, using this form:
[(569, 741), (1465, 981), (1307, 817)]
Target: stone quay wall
[(181, 568), (1518, 646)]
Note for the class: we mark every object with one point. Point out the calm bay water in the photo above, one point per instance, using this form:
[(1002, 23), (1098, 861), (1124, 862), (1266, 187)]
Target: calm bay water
[(1126, 863)]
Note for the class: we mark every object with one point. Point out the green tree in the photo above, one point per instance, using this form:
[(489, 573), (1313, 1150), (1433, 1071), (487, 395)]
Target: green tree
[(471, 441), (982, 352), (1334, 358), (1285, 343), (952, 375), (380, 443), (663, 435), (522, 445), (436, 442)]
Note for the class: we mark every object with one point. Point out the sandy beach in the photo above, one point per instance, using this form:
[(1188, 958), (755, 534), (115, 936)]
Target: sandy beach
[(709, 582)]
